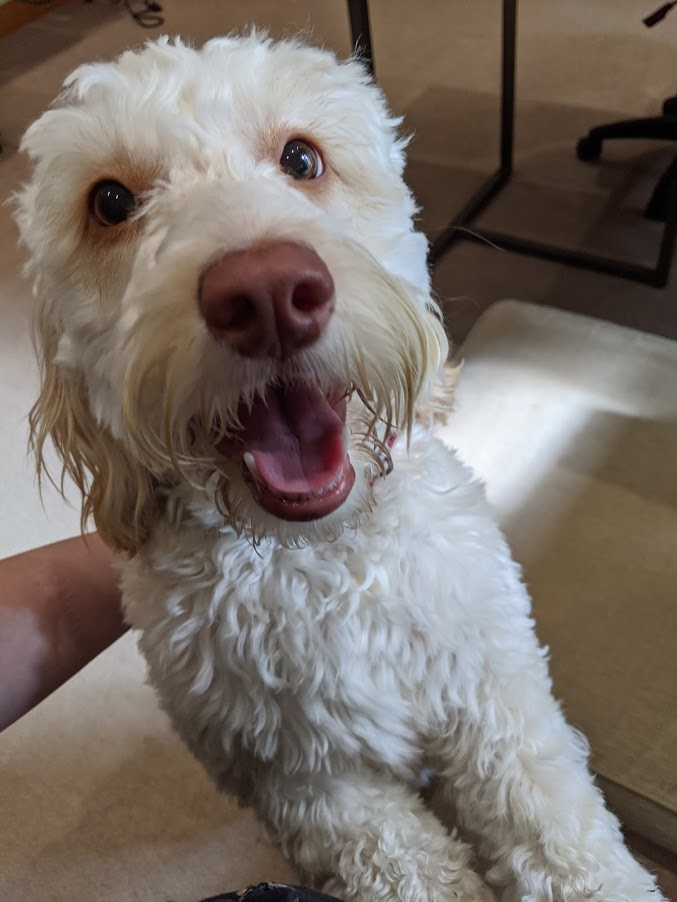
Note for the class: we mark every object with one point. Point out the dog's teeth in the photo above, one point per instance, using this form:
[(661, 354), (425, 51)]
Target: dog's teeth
[(346, 438), (251, 464)]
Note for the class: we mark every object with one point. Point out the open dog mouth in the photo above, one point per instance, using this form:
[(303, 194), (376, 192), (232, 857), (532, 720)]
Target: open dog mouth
[(293, 446)]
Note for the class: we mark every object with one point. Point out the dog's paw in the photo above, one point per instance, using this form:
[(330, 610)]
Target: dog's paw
[(469, 888), (465, 887), (475, 891)]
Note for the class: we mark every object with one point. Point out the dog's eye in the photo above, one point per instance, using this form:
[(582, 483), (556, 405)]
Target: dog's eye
[(112, 203), (300, 160)]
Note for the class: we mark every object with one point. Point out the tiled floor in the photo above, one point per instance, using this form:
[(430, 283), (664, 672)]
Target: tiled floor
[(580, 64)]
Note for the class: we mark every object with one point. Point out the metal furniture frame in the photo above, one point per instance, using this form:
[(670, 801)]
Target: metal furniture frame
[(462, 228)]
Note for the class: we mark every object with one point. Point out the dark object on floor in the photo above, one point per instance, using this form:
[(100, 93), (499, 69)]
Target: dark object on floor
[(148, 15), (145, 13), (462, 227), (273, 892)]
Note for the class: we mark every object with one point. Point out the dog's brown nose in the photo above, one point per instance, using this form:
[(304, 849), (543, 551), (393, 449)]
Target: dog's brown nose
[(269, 300)]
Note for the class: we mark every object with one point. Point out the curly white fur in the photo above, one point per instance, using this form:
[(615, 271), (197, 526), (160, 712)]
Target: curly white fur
[(315, 669)]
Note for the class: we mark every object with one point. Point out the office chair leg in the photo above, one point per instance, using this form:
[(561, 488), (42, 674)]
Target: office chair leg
[(657, 208), (670, 106), (588, 149), (661, 128)]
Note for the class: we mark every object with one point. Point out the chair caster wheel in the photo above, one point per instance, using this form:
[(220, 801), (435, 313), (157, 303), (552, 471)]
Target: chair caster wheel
[(589, 149)]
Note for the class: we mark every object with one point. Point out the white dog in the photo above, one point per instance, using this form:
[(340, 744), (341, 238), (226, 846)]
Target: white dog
[(238, 345)]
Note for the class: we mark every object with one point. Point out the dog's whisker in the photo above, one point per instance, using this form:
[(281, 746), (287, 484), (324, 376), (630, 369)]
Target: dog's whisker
[(477, 236)]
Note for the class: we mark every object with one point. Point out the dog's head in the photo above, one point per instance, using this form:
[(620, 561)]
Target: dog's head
[(232, 293)]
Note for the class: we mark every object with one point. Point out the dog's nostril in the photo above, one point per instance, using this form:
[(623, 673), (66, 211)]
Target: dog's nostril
[(306, 297), (242, 312)]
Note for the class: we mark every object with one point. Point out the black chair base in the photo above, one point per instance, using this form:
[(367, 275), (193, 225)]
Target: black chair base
[(662, 128)]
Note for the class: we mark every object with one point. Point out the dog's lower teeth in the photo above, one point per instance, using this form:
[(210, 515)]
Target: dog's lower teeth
[(295, 499)]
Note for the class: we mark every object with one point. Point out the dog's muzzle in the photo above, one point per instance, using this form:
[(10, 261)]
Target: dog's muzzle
[(271, 300)]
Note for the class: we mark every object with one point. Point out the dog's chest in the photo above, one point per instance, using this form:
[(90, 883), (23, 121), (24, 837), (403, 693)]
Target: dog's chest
[(351, 646), (285, 651)]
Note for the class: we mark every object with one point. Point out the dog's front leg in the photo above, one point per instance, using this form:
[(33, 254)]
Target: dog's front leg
[(366, 837), (519, 778)]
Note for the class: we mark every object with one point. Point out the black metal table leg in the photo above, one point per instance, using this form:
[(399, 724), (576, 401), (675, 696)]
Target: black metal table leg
[(459, 227), (456, 230), (665, 255), (508, 57), (358, 12)]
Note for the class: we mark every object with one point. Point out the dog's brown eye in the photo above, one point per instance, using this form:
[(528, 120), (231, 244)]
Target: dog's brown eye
[(112, 203), (300, 160)]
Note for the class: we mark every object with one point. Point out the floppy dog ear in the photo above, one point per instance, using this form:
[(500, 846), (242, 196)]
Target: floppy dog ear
[(117, 492)]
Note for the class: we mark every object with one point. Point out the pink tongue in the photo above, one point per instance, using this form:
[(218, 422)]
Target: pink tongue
[(296, 438)]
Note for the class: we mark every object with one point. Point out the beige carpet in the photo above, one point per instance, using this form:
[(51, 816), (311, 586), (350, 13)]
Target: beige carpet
[(100, 800)]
